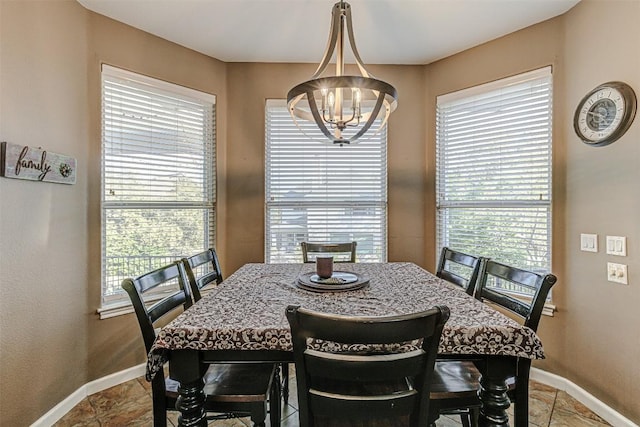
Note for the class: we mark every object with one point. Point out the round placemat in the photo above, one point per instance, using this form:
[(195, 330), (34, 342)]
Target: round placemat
[(340, 281)]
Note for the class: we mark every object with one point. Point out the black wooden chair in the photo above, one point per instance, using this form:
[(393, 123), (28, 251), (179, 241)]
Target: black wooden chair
[(231, 389), (462, 375), (456, 382), (358, 386), (342, 252), (528, 311), (459, 268), (202, 269)]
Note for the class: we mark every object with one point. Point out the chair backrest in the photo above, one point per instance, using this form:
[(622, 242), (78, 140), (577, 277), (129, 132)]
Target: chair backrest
[(539, 285), (459, 268), (330, 383), (202, 268), (342, 252), (148, 316)]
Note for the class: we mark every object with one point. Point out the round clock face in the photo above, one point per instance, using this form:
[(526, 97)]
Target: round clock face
[(605, 114)]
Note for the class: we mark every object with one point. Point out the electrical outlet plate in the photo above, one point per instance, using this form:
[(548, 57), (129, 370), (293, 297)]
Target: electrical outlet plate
[(617, 273), (589, 242), (617, 245)]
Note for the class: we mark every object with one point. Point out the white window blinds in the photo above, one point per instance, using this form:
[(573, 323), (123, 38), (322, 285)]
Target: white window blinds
[(494, 170), (320, 192), (158, 176)]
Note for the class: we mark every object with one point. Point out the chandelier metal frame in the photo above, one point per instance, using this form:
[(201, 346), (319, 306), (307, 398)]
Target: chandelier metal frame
[(329, 91)]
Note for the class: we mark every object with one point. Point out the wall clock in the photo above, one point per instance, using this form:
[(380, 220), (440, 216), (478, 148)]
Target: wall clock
[(605, 114)]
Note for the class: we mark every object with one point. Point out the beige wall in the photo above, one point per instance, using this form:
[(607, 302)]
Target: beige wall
[(50, 234), (601, 319), (249, 86), (51, 339), (43, 227)]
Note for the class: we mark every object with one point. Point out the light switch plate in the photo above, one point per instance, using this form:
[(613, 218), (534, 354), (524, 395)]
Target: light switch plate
[(617, 273), (617, 245), (589, 242)]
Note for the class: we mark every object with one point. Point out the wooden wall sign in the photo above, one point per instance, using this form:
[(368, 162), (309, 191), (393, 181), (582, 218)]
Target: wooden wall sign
[(35, 164)]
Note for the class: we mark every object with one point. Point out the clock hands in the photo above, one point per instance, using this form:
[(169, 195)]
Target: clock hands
[(599, 115)]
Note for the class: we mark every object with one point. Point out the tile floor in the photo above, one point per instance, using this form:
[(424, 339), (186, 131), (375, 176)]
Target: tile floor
[(129, 404)]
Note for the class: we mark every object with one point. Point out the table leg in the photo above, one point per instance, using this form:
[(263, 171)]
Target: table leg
[(185, 366), (190, 403), (495, 402), (493, 391)]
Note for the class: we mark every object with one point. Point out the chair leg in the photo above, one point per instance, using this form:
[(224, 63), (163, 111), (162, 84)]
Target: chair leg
[(275, 413), (521, 401), (474, 415), (159, 409), (520, 396), (464, 419), (285, 382), (259, 414), (159, 415)]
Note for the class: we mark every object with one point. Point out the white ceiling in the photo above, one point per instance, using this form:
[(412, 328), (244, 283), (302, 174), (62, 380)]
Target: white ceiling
[(386, 31)]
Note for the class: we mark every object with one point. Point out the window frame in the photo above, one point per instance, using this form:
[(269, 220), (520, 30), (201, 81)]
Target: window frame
[(114, 304), (545, 201), (373, 206)]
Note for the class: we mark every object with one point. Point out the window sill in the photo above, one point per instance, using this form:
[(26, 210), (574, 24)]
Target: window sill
[(548, 309), (114, 310)]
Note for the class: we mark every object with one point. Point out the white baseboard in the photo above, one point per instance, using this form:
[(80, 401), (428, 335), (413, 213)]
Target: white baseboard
[(92, 387), (597, 406)]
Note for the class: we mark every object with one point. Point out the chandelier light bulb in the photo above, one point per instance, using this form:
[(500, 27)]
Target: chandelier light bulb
[(356, 96)]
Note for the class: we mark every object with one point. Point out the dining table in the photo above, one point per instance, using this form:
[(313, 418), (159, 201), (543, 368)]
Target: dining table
[(243, 320)]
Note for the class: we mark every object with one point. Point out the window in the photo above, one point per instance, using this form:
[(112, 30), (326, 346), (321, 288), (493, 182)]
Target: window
[(158, 176), (320, 192), (494, 170)]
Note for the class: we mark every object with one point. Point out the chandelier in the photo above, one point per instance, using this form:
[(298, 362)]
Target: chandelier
[(343, 107)]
